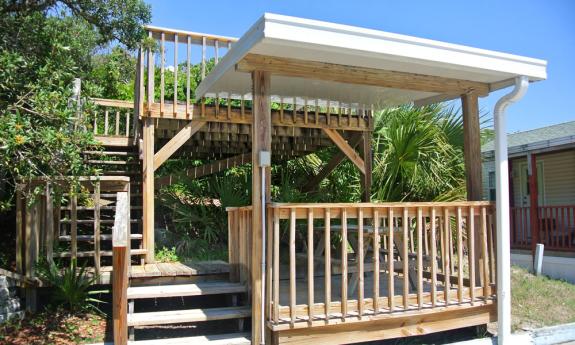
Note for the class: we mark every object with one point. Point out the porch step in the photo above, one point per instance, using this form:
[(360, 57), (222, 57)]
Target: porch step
[(187, 316), (219, 339), (197, 289)]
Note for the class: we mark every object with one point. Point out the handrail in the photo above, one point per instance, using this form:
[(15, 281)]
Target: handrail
[(555, 226), (199, 35)]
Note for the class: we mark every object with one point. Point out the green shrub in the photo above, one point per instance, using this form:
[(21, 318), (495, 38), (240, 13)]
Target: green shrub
[(166, 254), (72, 286)]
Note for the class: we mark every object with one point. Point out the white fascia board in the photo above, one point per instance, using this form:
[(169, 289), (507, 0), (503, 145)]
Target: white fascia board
[(299, 38)]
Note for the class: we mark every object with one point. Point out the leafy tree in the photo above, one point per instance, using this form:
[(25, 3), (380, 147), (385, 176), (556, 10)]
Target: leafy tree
[(44, 45)]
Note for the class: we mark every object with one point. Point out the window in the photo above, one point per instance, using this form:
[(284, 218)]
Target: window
[(492, 195)]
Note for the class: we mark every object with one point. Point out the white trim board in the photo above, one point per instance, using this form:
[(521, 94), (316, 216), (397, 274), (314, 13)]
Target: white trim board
[(312, 40)]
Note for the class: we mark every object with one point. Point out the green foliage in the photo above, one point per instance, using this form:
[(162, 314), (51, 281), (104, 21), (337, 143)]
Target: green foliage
[(417, 154), (113, 74), (44, 45), (166, 254), (71, 286)]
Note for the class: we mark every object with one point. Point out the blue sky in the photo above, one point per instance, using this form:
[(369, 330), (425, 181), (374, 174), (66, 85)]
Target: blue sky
[(539, 29)]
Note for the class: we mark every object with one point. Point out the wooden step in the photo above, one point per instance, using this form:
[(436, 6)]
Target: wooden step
[(90, 238), (187, 316), (199, 289), (218, 339), (90, 221), (101, 162), (90, 253), (112, 153)]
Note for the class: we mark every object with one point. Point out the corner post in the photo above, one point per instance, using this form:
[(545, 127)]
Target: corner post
[(148, 188), (472, 156), (261, 141)]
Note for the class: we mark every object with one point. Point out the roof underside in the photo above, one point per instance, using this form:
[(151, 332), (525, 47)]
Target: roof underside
[(315, 41)]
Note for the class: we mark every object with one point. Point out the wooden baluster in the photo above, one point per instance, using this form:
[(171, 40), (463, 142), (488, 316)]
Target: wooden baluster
[(305, 119), (328, 113), (229, 107), (216, 51), (73, 223), (446, 267), (175, 106), (162, 68), (188, 74), (276, 270), (242, 108), (316, 119), (106, 122), (269, 262), (419, 258), (203, 57), (339, 113), (292, 263), (405, 223), (492, 258), (360, 256), (95, 122), (433, 259), (471, 252), (484, 253), (327, 261), (97, 227), (151, 76), (310, 275), (49, 222), (459, 255), (376, 240), (117, 123), (343, 263), (127, 124), (294, 112), (390, 261)]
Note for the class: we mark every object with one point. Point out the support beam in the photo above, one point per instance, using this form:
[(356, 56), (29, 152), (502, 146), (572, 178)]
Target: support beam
[(472, 156), (333, 163), (359, 75), (206, 169), (340, 142), (472, 145), (261, 141), (176, 142), (148, 188)]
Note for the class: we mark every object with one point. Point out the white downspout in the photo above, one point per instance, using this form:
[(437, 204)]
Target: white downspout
[(503, 231)]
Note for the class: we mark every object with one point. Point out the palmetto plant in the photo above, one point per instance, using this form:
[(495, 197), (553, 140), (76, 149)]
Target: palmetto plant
[(418, 154), (72, 286)]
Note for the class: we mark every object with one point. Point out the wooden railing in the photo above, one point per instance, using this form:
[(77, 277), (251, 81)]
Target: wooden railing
[(555, 227), (239, 243), (328, 262), (68, 221), (114, 118)]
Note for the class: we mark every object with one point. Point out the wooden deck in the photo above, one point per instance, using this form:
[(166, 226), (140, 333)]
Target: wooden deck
[(160, 272)]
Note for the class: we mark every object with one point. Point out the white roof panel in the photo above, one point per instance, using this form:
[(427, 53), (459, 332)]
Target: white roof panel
[(304, 39)]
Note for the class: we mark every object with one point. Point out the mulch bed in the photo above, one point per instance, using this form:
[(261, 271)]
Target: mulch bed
[(55, 327)]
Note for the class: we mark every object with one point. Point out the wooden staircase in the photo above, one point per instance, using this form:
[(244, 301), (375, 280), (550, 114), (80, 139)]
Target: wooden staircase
[(123, 160), (160, 294)]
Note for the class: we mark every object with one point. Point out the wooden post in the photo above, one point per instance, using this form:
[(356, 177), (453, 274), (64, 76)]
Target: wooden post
[(148, 189), (472, 145), (261, 141), (367, 159), (533, 201), (120, 269), (472, 155)]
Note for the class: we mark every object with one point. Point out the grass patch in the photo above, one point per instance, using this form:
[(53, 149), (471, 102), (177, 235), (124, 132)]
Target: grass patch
[(540, 301)]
